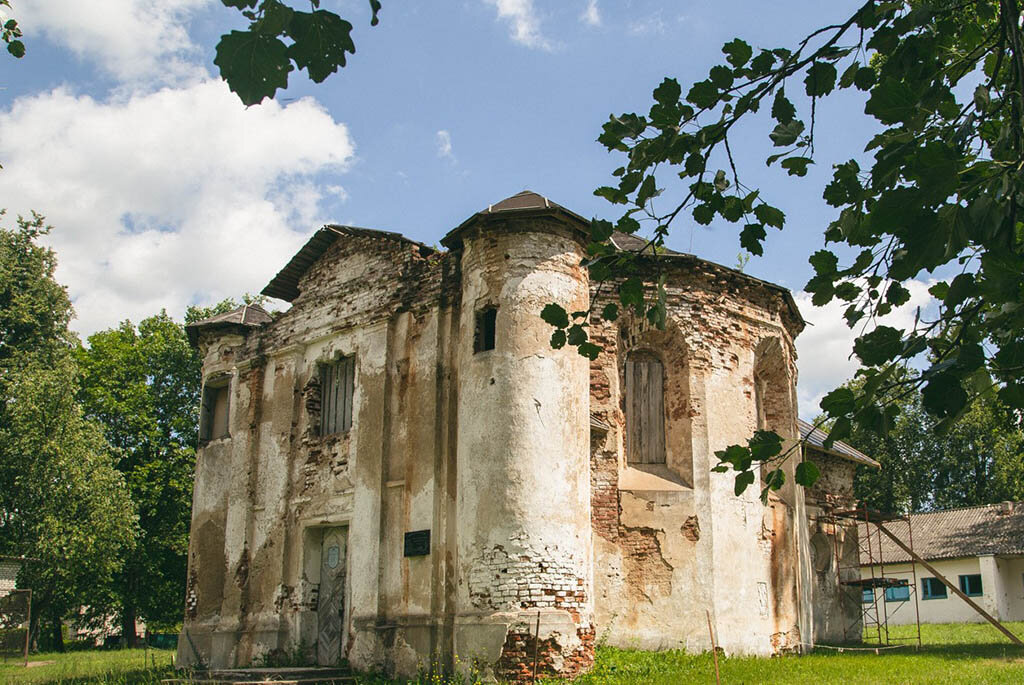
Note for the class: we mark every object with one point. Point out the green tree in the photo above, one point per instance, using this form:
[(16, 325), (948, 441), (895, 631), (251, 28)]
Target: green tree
[(61, 500), (142, 385), (942, 191)]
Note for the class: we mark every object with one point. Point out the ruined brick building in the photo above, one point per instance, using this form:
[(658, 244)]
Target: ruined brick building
[(400, 470)]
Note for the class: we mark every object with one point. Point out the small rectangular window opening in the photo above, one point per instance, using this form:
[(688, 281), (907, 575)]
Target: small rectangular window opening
[(213, 414), (933, 588), (337, 388), (970, 585), (867, 595), (483, 335)]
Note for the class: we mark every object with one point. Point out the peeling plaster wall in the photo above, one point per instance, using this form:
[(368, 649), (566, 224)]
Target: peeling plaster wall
[(833, 550), (673, 542), (533, 510)]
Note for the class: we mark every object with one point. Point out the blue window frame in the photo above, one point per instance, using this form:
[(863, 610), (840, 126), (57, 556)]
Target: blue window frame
[(970, 585), (933, 588), (867, 595), (900, 593)]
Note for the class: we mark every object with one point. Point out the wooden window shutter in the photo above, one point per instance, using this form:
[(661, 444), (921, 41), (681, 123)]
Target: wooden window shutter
[(337, 387), (645, 409)]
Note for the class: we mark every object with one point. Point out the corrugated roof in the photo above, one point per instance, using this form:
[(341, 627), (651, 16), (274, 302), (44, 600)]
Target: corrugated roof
[(285, 285), (248, 315), (816, 438), (954, 533)]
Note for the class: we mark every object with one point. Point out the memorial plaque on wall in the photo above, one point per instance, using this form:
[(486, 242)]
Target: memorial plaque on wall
[(417, 543)]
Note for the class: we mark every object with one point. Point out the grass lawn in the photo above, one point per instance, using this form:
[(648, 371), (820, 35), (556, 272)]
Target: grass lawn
[(952, 653)]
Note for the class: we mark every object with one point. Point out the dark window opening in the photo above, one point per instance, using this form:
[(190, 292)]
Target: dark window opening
[(213, 414), (933, 588), (645, 409), (337, 387), (970, 585), (483, 335)]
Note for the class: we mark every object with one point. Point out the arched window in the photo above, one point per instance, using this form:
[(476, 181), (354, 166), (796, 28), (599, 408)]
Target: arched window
[(645, 409)]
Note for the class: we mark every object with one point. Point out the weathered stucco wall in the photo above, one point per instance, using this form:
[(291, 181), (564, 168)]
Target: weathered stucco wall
[(513, 458), (672, 541)]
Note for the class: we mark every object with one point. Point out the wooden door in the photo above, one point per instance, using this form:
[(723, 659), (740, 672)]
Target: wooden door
[(331, 606)]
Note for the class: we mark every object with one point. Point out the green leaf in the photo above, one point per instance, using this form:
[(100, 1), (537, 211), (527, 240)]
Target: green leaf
[(743, 480), (555, 315), (751, 237), (577, 335), (668, 92), (865, 78), (647, 191), (879, 346), (375, 10), (892, 102), (589, 350), (16, 48), (631, 292), (943, 395), (783, 110), (254, 64), (732, 209), (769, 216), (764, 445), (601, 230), (796, 166), (275, 19), (839, 402), (786, 134), (558, 339), (703, 94), (820, 79), (807, 473), (721, 76), (610, 312), (321, 40), (694, 164), (849, 74), (737, 52), (824, 262), (703, 214)]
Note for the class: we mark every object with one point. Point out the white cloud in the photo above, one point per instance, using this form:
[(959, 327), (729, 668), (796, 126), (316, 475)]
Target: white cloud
[(525, 23), (172, 197), (444, 145), (650, 25), (825, 348), (591, 15), (135, 41)]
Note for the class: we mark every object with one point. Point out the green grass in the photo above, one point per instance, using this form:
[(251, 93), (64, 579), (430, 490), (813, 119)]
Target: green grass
[(94, 667), (952, 653)]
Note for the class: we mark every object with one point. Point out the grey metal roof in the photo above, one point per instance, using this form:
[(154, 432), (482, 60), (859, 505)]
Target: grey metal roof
[(954, 533), (524, 202), (285, 285), (248, 316), (816, 438)]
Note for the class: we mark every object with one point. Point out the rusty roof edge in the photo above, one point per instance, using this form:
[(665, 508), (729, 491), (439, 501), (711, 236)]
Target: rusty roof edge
[(284, 285), (452, 240), (807, 431)]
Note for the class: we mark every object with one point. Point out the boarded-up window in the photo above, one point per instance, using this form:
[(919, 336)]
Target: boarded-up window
[(213, 414), (337, 385), (645, 409)]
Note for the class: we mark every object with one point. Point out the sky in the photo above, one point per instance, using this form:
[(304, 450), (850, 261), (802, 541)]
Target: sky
[(165, 191)]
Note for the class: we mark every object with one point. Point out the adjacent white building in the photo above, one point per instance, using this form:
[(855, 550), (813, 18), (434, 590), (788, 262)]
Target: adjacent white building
[(979, 549)]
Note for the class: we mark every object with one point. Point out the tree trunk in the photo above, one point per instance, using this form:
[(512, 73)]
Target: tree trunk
[(128, 637), (58, 635)]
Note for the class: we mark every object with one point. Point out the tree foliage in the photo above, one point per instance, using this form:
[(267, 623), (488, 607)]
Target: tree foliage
[(141, 384), (256, 62), (61, 499), (979, 459), (11, 34), (943, 194)]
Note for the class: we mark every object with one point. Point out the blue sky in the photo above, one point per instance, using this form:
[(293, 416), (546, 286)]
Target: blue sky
[(165, 191)]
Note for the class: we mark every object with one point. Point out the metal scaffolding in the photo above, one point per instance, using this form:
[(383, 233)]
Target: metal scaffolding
[(889, 593)]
